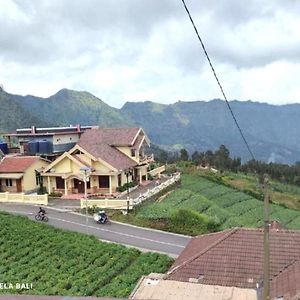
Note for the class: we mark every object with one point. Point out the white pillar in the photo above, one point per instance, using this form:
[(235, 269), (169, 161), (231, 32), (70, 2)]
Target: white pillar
[(66, 189), (140, 171), (49, 186), (110, 189)]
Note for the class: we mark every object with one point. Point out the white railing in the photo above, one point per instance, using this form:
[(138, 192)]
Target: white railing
[(108, 203), (22, 198), (147, 159), (156, 189), (158, 170), (124, 204)]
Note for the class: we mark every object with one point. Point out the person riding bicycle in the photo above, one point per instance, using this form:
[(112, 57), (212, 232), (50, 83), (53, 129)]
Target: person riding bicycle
[(41, 212)]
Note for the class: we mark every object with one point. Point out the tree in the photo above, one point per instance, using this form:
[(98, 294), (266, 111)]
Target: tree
[(222, 158), (184, 155), (196, 157)]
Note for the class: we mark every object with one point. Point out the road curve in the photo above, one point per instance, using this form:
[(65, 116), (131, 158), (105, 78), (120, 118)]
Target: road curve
[(142, 238)]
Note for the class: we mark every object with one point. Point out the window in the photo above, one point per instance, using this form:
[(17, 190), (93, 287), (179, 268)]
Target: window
[(60, 183), (133, 152), (8, 182), (119, 180)]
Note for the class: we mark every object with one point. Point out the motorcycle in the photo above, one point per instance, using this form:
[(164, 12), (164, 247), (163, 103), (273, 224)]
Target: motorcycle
[(41, 217), (101, 218)]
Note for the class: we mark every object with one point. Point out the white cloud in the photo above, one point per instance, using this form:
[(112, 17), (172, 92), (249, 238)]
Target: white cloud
[(136, 50)]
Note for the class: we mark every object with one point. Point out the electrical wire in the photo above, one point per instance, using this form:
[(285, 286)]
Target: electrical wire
[(217, 79)]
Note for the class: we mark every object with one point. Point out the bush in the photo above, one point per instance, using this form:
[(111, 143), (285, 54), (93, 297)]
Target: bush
[(42, 190), (190, 222), (55, 194), (94, 209), (125, 186)]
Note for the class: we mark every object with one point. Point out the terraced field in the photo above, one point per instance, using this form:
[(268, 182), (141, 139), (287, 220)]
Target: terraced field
[(226, 205), (65, 263)]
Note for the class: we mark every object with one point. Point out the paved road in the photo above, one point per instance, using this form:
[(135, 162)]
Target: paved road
[(142, 238)]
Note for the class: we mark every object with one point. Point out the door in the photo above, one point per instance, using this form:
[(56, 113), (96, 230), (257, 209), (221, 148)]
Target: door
[(104, 182), (19, 186), (79, 185)]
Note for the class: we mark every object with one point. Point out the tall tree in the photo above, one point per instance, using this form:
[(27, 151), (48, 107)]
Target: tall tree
[(184, 155)]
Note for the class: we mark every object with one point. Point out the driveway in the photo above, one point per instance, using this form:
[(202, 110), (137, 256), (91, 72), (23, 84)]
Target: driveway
[(142, 238)]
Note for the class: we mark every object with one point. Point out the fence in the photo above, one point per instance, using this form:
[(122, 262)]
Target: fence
[(156, 189), (108, 203), (158, 170), (22, 198), (128, 204)]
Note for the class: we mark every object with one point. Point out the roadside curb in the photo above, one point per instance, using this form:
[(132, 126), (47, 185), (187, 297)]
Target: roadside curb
[(139, 227), (173, 255)]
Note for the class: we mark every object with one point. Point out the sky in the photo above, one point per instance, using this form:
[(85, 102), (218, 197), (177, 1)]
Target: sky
[(141, 50)]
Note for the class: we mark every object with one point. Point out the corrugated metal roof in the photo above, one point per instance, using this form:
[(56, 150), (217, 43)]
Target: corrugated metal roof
[(161, 289)]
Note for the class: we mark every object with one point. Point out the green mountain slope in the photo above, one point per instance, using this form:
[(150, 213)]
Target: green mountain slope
[(71, 107), (13, 115), (270, 130)]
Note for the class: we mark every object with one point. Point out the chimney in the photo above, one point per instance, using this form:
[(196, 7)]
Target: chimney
[(78, 127), (33, 129)]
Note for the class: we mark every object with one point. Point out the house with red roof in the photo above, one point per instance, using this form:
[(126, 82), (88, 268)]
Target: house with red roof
[(229, 265), (110, 156), (19, 173)]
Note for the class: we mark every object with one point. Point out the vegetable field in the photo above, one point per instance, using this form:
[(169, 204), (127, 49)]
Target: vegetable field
[(227, 206), (59, 262)]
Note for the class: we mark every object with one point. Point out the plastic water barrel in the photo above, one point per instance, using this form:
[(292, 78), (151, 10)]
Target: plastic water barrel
[(33, 147), (4, 148)]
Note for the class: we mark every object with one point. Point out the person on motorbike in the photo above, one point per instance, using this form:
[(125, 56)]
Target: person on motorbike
[(102, 216)]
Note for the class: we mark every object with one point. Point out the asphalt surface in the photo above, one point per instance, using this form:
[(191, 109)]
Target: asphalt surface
[(142, 238)]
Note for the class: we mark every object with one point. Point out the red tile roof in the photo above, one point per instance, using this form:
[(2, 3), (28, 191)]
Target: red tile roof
[(287, 282), (17, 164), (235, 258), (112, 136), (101, 144)]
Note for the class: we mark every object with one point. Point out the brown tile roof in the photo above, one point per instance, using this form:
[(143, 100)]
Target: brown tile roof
[(235, 257), (138, 141), (101, 144), (287, 282), (17, 164), (112, 136)]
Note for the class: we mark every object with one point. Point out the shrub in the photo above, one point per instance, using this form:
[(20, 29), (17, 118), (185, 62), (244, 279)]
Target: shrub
[(125, 186), (55, 194), (189, 222), (42, 190)]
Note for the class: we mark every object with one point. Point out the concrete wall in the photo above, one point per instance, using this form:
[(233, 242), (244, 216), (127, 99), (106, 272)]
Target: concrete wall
[(60, 139), (127, 151), (29, 178)]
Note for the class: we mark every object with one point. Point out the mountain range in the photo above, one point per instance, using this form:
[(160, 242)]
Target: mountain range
[(272, 131)]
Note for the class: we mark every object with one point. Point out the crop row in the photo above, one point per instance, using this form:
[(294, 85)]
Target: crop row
[(225, 205), (65, 263)]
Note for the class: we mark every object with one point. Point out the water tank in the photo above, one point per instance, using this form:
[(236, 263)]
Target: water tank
[(3, 147), (45, 147), (33, 147)]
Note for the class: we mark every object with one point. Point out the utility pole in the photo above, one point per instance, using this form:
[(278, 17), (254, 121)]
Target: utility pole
[(266, 290)]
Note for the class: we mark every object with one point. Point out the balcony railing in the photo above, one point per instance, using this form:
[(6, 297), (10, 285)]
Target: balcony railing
[(147, 159)]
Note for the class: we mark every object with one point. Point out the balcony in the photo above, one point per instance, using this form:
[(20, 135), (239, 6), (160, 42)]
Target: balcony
[(147, 159)]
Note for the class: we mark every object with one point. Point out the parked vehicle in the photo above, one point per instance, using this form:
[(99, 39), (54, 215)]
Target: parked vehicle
[(41, 217), (101, 217)]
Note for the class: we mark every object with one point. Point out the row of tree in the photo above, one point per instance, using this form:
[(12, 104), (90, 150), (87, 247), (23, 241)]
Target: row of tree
[(221, 160)]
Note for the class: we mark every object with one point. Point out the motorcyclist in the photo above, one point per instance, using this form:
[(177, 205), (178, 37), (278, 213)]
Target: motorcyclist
[(102, 216)]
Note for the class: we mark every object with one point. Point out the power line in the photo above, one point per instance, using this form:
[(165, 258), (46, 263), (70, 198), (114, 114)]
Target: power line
[(217, 79)]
